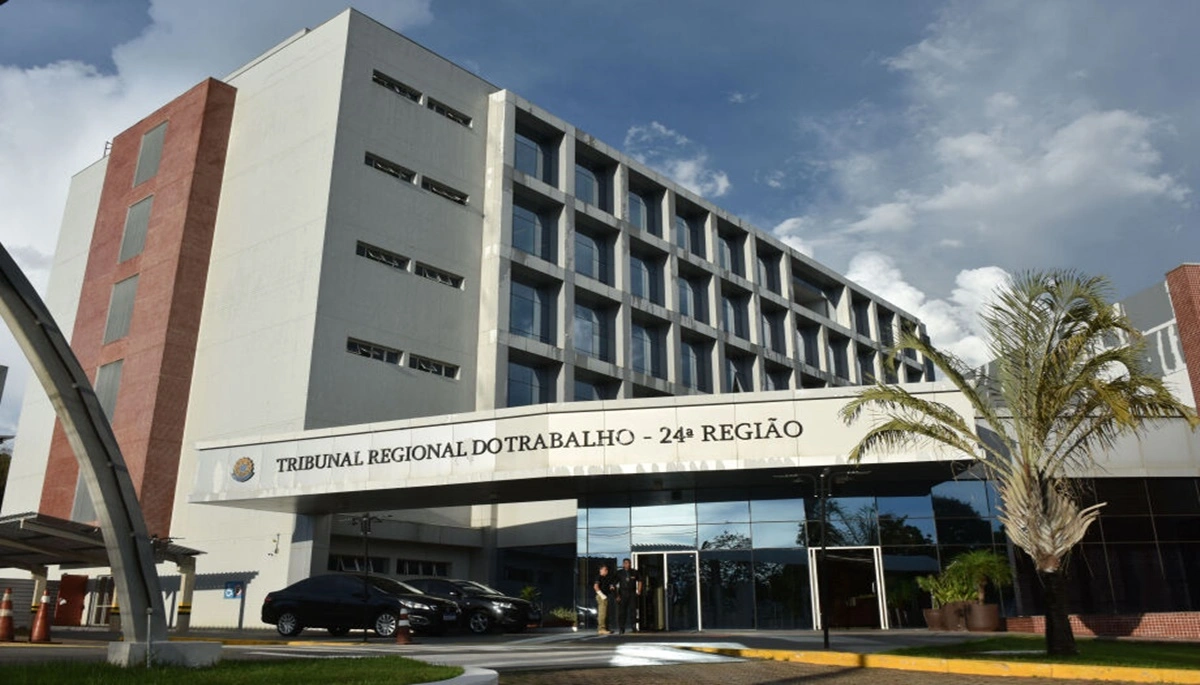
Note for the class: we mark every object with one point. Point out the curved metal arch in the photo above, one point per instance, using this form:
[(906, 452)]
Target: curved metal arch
[(130, 554)]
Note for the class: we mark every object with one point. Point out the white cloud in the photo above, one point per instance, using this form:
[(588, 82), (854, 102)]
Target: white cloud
[(885, 218), (739, 98), (678, 157), (57, 117), (790, 231)]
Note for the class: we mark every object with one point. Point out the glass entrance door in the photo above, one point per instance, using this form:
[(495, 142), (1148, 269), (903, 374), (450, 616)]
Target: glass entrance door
[(670, 590), (855, 587)]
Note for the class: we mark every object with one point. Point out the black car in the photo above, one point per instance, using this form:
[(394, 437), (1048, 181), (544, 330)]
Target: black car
[(485, 609), (339, 603)]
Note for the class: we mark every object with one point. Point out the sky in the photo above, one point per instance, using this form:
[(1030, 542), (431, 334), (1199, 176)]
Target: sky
[(924, 149)]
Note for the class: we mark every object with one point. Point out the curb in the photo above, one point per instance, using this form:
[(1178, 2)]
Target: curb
[(1010, 669)]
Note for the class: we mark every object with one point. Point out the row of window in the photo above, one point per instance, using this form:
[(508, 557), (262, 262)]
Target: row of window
[(409, 176), (349, 563), (414, 95), (393, 356), (400, 263)]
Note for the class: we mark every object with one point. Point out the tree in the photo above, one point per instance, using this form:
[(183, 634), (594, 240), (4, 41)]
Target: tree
[(1068, 379)]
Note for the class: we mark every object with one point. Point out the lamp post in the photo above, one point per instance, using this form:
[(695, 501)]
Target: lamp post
[(364, 525)]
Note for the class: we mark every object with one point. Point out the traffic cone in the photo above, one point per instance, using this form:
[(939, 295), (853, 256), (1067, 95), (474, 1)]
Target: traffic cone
[(403, 634), (41, 623), (7, 631)]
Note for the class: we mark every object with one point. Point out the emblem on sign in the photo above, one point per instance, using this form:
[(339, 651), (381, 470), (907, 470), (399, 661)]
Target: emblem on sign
[(243, 469)]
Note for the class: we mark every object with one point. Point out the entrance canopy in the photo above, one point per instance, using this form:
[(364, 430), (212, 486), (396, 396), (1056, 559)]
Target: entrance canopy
[(34, 541), (547, 452)]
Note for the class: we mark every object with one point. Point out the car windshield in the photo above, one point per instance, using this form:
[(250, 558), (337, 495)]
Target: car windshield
[(394, 587), (477, 588)]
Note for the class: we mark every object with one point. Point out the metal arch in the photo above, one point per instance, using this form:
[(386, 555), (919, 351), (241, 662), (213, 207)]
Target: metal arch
[(130, 554)]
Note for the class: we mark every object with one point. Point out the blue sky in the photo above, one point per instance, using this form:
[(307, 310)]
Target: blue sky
[(923, 148)]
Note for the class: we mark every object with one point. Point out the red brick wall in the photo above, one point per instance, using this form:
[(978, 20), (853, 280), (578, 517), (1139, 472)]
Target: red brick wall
[(1177, 625), (159, 350), (1183, 282)]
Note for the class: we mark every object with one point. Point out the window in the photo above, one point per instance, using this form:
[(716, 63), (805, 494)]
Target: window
[(865, 361), (354, 563), (694, 367), (396, 87), (443, 277), (647, 350), (777, 379), (534, 158), (689, 234), (862, 317), (372, 351), (120, 309), (593, 257), (839, 363), (693, 300), (108, 382), (729, 254), (413, 567), (437, 188), (643, 213), (810, 347), (150, 154), (768, 272), (390, 168), (137, 221), (593, 332), (528, 384), (432, 366), (645, 278), (448, 112), (378, 254), (735, 316), (772, 331), (532, 232), (529, 312), (739, 374), (587, 390), (886, 336), (587, 185)]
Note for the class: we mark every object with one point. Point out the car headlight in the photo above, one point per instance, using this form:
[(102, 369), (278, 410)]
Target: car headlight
[(505, 605), (419, 606)]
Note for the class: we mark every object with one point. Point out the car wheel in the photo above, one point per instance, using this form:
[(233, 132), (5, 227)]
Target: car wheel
[(386, 623), (288, 624), (480, 622), (339, 631)]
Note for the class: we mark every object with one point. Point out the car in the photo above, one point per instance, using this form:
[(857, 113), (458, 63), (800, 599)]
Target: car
[(341, 602), (484, 609)]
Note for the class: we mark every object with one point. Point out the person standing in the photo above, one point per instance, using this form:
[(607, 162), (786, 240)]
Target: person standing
[(629, 588), (603, 587)]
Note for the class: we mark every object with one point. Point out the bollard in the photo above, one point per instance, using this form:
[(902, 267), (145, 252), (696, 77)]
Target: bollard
[(7, 629), (403, 635), (41, 623)]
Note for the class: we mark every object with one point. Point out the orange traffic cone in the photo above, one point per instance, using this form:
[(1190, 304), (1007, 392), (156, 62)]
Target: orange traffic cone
[(41, 623), (7, 630), (403, 635)]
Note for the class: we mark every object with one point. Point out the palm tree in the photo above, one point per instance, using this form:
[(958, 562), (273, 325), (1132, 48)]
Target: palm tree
[(1068, 379)]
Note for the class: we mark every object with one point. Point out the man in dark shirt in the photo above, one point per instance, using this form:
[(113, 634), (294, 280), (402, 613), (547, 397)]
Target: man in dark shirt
[(603, 587), (629, 588)]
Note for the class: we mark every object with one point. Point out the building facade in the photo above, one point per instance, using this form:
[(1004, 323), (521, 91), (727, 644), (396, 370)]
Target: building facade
[(350, 232)]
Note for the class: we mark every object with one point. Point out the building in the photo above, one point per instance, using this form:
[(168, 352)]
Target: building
[(353, 277)]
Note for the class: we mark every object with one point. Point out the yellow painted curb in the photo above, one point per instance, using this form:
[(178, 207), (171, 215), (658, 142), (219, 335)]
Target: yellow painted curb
[(1011, 669), (234, 641)]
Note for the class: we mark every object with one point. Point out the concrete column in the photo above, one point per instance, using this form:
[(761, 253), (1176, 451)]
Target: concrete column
[(40, 574), (187, 586)]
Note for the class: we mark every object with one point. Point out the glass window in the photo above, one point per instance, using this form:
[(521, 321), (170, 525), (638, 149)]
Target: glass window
[(729, 254), (647, 350), (591, 391), (781, 590), (838, 361), (906, 531), (664, 537), (137, 222), (108, 383), (735, 315), (532, 232), (851, 522), (372, 351), (918, 506), (642, 213), (727, 590), (534, 158), (528, 385), (772, 331), (645, 278), (607, 517), (739, 374), (777, 509), (683, 513), (778, 534), (810, 345), (960, 498), (150, 154), (768, 272), (120, 309), (587, 185), (692, 300), (593, 332), (593, 257), (529, 312), (714, 536), (695, 365), (778, 379), (614, 541), (723, 512)]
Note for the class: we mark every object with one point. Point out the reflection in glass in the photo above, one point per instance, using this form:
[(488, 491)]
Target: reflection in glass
[(724, 536), (912, 507), (777, 510), (602, 517), (727, 590), (664, 537), (906, 531), (960, 499), (665, 514), (851, 523), (722, 512), (901, 567), (778, 534), (781, 590), (964, 531), (613, 541)]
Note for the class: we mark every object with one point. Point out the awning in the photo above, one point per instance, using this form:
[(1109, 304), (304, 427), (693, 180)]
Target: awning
[(31, 541)]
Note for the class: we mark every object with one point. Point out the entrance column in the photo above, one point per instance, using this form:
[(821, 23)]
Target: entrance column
[(187, 584), (40, 574)]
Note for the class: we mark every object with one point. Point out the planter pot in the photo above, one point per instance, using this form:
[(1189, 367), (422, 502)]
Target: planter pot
[(983, 618), (954, 615), (933, 619)]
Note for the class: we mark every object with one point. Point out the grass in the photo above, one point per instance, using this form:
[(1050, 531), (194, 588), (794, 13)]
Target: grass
[(394, 670), (1092, 651)]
